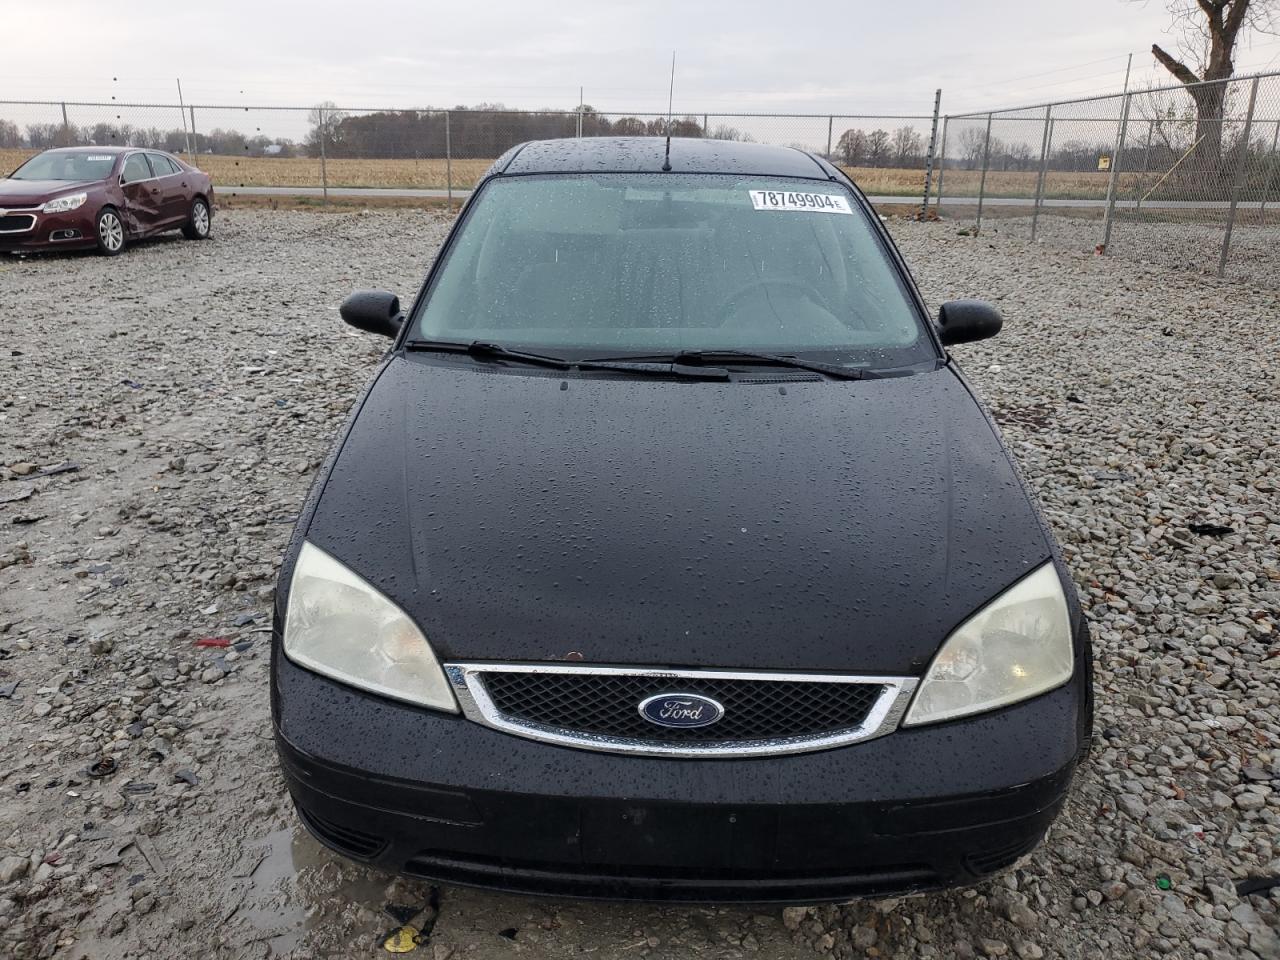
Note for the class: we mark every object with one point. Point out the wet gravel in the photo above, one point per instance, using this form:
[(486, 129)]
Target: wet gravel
[(190, 389)]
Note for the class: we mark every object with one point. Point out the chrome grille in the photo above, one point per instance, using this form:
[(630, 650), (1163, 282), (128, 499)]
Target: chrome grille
[(597, 708)]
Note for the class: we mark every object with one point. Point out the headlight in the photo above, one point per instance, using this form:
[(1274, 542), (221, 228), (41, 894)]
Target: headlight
[(1015, 647), (63, 204), (338, 625)]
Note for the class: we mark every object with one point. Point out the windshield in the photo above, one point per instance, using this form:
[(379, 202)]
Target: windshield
[(621, 264), (66, 166)]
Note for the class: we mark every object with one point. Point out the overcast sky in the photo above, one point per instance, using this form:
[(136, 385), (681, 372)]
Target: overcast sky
[(820, 56)]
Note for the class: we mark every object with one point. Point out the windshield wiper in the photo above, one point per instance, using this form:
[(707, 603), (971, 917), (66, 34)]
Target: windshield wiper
[(481, 348), (663, 368), (696, 357)]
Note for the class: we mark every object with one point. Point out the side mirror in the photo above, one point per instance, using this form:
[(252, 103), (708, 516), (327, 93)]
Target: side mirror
[(374, 311), (963, 321)]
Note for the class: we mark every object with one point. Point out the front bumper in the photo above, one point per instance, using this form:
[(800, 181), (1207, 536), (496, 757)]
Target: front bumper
[(71, 229), (433, 795)]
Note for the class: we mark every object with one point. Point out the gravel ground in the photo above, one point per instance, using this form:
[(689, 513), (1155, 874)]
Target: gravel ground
[(1193, 242), (194, 388)]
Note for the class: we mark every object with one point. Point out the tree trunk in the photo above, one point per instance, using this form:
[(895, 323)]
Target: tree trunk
[(1224, 18)]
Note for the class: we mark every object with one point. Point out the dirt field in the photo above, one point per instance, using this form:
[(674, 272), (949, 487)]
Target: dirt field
[(161, 417), (431, 174)]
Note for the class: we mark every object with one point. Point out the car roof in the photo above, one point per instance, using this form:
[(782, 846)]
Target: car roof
[(110, 149), (646, 154)]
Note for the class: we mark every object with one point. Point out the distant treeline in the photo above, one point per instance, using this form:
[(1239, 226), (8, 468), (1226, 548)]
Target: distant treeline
[(480, 132), (42, 136), (473, 133)]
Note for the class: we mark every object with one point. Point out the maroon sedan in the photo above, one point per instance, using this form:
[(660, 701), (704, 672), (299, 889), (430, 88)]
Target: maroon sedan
[(79, 197)]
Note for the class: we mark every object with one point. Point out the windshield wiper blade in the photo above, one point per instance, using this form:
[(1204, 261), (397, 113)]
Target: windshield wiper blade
[(664, 368), (697, 357), (482, 348), (817, 366)]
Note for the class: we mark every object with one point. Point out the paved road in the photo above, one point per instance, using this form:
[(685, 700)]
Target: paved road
[(409, 192)]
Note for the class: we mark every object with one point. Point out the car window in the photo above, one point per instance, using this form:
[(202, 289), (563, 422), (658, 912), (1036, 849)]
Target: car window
[(57, 165), (161, 165), (660, 262), (135, 168)]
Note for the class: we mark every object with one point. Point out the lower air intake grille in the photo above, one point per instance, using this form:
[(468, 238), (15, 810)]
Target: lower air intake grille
[(355, 843)]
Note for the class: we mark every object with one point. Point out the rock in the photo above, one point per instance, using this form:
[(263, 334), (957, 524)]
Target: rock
[(864, 936), (1022, 915), (13, 868), (1263, 940), (22, 468), (792, 917), (992, 948), (1249, 800), (1114, 890)]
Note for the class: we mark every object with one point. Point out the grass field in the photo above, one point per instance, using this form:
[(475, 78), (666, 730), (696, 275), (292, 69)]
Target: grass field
[(231, 172)]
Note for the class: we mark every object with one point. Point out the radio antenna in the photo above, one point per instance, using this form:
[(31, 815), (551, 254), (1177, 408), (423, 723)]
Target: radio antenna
[(666, 159)]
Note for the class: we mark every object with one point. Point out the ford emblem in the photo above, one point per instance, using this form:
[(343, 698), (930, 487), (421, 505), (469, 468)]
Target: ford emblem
[(681, 710)]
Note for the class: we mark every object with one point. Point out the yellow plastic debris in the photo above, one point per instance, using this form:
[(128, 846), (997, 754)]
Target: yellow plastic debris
[(405, 940)]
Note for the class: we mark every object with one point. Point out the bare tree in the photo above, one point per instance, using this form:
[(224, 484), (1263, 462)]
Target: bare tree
[(973, 145), (726, 132), (1212, 31), (908, 146), (851, 148), (326, 124), (877, 147)]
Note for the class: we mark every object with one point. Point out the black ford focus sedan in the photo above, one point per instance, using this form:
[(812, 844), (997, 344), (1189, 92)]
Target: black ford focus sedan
[(669, 556)]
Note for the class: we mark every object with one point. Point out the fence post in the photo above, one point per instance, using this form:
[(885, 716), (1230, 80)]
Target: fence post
[(1239, 177), (705, 128), (1146, 164), (982, 184), (1271, 169), (942, 163), (1045, 139), (66, 126), (448, 161), (324, 170), (1115, 172), (928, 163), (195, 137), (830, 123)]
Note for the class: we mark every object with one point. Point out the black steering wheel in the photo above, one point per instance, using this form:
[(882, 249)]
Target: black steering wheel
[(729, 304)]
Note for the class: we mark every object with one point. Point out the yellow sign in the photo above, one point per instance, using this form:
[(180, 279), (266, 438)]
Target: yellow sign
[(1104, 162)]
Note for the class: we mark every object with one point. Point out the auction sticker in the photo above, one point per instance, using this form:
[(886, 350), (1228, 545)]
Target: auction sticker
[(96, 157), (802, 202)]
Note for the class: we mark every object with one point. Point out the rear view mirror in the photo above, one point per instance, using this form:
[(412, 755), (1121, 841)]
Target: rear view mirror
[(963, 321), (374, 311)]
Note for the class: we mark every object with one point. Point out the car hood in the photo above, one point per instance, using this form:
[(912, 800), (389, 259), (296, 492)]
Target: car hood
[(829, 526), (32, 193)]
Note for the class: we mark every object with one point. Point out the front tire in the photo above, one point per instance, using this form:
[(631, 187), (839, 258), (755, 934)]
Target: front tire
[(198, 221), (109, 230)]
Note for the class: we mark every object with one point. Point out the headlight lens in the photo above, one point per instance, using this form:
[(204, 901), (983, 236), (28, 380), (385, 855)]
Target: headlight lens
[(63, 204), (339, 626), (1015, 647)]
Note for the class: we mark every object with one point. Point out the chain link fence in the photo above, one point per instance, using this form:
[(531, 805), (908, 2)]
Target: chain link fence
[(1186, 176), (252, 149)]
